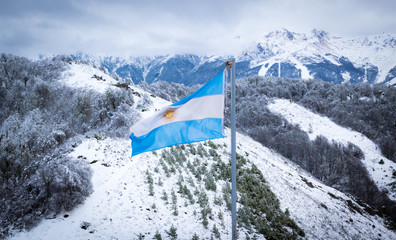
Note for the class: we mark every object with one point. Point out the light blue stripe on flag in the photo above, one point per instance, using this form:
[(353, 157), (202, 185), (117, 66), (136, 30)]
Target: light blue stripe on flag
[(195, 118), (178, 133)]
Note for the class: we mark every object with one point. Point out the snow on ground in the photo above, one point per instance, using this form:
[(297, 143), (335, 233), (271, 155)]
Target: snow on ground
[(264, 68), (305, 75), (158, 102), (120, 206), (316, 125), (320, 210), (346, 76), (82, 76)]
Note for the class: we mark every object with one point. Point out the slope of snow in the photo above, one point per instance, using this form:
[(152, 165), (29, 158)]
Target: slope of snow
[(316, 125), (159, 103), (82, 76), (120, 206), (266, 66), (304, 70), (312, 207)]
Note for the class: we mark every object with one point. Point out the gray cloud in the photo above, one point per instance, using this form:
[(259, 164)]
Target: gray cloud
[(124, 27)]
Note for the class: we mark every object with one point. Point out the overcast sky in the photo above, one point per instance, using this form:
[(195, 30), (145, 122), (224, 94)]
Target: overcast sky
[(150, 27)]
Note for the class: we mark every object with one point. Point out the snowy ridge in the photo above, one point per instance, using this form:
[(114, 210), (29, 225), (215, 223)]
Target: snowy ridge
[(319, 46), (317, 55), (87, 77), (377, 50), (316, 125)]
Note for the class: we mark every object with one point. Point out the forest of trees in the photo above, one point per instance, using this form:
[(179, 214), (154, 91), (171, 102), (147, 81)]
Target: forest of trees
[(41, 121)]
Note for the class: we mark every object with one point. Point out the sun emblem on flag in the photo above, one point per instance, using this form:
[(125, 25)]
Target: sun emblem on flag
[(169, 114)]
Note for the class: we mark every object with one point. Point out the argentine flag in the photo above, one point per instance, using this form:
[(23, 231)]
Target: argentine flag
[(195, 118)]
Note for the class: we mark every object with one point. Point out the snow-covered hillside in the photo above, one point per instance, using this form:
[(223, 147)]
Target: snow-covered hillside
[(315, 125), (128, 199), (121, 207), (86, 77)]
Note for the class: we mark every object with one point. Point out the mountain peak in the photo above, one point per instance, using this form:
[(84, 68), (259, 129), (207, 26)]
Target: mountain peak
[(283, 34), (320, 34), (289, 34)]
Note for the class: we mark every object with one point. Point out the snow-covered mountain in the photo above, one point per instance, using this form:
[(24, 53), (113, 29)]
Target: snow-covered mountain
[(323, 56), (317, 55), (140, 198)]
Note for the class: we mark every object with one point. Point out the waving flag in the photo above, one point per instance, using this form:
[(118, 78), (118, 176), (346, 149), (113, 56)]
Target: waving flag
[(195, 118)]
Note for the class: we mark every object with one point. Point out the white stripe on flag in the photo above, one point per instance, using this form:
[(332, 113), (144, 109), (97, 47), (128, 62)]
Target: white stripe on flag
[(211, 106)]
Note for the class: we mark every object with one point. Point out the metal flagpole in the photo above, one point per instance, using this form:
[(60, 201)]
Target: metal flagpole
[(233, 152)]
